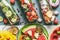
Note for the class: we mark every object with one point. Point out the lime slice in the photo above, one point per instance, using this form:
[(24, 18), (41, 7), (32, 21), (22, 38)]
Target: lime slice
[(1, 18), (53, 1), (8, 14), (5, 9)]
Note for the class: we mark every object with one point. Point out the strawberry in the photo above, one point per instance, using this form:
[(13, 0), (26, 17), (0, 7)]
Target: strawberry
[(33, 13), (5, 21), (55, 21), (12, 1), (28, 14), (31, 18), (35, 17)]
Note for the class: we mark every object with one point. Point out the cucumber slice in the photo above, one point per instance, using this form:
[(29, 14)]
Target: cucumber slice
[(14, 20), (8, 13), (1, 18), (5, 9), (2, 4)]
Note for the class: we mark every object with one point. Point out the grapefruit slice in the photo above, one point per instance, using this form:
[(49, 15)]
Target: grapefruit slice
[(30, 29), (41, 37), (30, 32), (54, 37), (55, 34)]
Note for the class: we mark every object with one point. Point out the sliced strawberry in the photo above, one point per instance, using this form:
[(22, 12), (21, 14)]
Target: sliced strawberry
[(35, 17), (32, 8), (31, 18), (41, 37), (28, 14), (33, 13)]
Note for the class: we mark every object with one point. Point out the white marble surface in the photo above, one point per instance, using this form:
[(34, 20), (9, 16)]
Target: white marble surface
[(48, 27)]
